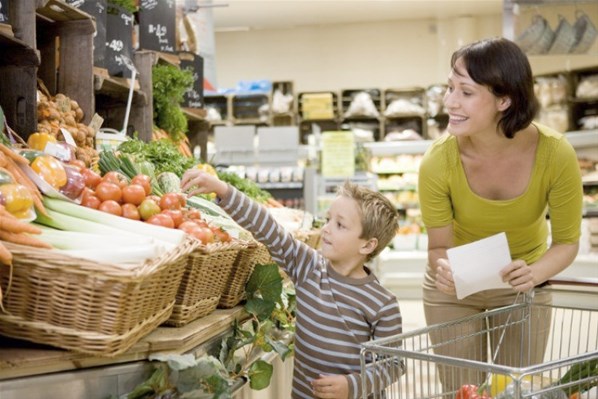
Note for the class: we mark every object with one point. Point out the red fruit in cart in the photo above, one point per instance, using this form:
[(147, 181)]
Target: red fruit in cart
[(471, 392)]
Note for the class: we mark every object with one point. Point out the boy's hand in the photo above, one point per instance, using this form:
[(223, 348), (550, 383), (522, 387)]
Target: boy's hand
[(200, 182), (333, 386)]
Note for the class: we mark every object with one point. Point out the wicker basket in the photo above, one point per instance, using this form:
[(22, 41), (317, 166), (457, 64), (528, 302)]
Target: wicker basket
[(564, 37), (533, 33), (255, 253), (585, 33), (204, 280), (85, 306)]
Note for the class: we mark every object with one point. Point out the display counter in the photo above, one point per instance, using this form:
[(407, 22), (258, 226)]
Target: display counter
[(31, 371)]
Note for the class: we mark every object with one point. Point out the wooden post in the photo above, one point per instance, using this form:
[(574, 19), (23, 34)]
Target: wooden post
[(143, 116), (76, 64)]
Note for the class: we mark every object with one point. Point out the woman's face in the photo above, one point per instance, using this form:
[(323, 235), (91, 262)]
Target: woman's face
[(471, 107)]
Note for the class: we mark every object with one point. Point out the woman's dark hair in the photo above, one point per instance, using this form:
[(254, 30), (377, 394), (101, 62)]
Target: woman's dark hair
[(500, 65)]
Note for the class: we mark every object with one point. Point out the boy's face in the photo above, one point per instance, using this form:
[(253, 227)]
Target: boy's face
[(340, 234)]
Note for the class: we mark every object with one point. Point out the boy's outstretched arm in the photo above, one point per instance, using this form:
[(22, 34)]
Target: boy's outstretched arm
[(200, 182)]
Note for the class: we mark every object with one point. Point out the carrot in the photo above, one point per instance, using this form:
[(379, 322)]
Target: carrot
[(3, 160), (14, 225), (19, 159), (5, 255), (3, 169), (273, 203), (23, 239)]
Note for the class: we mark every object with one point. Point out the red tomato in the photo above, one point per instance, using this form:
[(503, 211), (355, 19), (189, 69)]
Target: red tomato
[(92, 179), (176, 215), (109, 191), (187, 226), (220, 234), (133, 194), (203, 234), (154, 198), (144, 181), (130, 211), (78, 164), (183, 199), (161, 219), (193, 214), (111, 206), (116, 178), (170, 201), (148, 208), (91, 201), (471, 392)]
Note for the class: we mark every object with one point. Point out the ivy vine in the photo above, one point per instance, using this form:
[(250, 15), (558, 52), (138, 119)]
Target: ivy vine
[(271, 308)]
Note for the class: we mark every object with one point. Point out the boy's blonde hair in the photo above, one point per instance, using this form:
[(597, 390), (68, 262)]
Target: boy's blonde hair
[(379, 217)]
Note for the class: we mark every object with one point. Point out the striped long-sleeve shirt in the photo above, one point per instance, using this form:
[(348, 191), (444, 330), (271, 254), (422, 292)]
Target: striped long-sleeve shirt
[(335, 313)]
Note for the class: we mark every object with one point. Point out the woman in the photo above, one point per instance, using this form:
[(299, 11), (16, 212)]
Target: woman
[(496, 171)]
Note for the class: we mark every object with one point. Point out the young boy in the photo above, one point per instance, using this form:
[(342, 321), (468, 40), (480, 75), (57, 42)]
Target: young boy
[(340, 303)]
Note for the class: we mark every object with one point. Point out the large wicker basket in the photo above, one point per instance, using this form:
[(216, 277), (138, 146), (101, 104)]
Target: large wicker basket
[(255, 253), (206, 274), (85, 306)]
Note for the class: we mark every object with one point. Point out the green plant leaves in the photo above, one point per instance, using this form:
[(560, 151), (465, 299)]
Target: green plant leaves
[(265, 282), (260, 374)]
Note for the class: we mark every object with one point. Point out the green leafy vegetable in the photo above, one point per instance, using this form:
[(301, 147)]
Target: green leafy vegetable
[(169, 86), (163, 154), (250, 188)]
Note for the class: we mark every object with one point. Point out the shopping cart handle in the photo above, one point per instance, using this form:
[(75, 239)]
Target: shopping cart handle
[(578, 281)]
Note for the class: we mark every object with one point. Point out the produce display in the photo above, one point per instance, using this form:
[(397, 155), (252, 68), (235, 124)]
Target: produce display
[(61, 112)]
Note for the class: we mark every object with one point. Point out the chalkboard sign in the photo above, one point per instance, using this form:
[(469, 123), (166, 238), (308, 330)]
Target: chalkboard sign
[(4, 11), (193, 97), (97, 9), (119, 40), (157, 25)]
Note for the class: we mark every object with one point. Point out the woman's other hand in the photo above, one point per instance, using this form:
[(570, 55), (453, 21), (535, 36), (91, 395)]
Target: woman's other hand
[(519, 275), (444, 277)]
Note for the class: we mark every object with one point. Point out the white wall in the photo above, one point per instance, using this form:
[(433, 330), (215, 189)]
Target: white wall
[(390, 54)]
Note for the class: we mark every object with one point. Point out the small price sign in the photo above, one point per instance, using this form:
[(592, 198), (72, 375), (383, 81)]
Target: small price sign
[(193, 97), (157, 25), (119, 40)]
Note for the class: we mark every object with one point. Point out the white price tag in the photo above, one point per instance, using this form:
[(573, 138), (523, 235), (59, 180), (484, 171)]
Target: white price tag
[(68, 137), (58, 151)]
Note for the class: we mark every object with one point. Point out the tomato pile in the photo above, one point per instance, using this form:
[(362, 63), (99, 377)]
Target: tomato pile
[(113, 193)]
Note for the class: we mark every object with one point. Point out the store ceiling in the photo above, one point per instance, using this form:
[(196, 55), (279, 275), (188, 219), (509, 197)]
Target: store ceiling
[(239, 15)]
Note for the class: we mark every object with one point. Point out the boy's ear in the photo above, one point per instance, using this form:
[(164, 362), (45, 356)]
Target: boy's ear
[(369, 246)]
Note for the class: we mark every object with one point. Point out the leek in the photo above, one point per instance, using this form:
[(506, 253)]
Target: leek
[(61, 239), (123, 257), (119, 223)]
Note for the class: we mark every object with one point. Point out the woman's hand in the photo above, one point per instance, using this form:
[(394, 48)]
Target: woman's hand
[(333, 386), (200, 182), (519, 275), (444, 277)]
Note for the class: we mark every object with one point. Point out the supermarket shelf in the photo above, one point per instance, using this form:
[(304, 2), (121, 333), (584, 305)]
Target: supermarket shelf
[(398, 147), (583, 138), (281, 186)]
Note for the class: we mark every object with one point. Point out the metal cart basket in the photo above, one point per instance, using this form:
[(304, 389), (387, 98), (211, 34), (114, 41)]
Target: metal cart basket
[(436, 361)]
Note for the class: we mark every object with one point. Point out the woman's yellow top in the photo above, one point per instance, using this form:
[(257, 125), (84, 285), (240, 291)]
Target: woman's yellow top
[(555, 187)]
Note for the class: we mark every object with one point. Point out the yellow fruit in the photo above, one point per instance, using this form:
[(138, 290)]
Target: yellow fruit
[(499, 383)]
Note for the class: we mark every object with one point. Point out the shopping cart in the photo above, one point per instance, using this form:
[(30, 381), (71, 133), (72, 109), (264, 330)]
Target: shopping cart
[(436, 361)]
